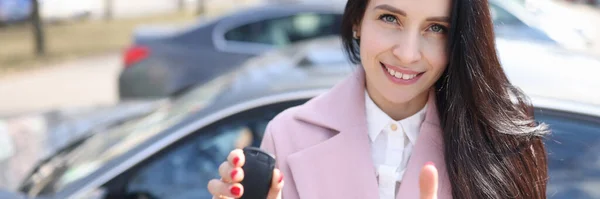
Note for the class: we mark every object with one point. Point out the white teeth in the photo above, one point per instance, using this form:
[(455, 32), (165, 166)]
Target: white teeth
[(398, 75)]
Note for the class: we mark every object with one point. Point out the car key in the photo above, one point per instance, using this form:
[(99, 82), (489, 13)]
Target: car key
[(258, 173)]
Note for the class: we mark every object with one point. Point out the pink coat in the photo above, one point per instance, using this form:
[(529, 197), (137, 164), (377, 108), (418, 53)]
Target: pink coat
[(323, 149)]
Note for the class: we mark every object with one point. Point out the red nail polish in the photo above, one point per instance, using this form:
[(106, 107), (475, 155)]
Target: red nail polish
[(233, 173), (280, 177), (235, 191), (236, 160), (429, 164)]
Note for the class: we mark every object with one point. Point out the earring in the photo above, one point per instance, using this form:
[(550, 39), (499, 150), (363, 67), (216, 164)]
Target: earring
[(354, 34)]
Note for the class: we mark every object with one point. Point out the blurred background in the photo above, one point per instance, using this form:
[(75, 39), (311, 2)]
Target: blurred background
[(71, 69)]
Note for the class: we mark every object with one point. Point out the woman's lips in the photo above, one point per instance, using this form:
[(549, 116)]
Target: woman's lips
[(401, 76)]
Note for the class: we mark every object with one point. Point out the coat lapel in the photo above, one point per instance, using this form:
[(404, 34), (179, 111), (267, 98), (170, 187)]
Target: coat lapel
[(342, 165), (429, 147)]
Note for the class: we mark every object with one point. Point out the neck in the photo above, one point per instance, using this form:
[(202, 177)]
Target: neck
[(399, 111)]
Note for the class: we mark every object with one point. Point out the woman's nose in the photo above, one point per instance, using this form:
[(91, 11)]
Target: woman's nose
[(408, 48)]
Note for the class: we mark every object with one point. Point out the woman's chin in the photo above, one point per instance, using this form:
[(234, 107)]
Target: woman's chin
[(404, 96), (400, 99)]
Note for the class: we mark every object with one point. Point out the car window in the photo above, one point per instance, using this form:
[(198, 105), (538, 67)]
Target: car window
[(501, 16), (573, 155), (183, 169), (183, 172), (104, 147), (308, 26), (286, 30)]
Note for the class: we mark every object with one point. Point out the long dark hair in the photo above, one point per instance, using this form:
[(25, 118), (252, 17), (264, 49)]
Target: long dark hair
[(492, 145)]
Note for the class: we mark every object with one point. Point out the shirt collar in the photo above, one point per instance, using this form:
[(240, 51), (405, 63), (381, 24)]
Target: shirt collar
[(377, 120)]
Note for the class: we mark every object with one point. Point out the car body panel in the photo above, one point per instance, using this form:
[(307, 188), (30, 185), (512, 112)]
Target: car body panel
[(172, 69)]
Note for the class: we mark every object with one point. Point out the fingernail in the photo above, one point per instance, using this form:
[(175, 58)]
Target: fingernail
[(235, 191), (280, 177), (429, 164), (233, 173), (236, 160)]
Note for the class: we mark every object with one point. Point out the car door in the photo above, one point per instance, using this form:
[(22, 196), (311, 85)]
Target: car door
[(183, 169), (573, 154), (265, 34)]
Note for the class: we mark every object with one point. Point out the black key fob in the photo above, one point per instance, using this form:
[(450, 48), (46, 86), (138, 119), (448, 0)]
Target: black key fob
[(258, 173)]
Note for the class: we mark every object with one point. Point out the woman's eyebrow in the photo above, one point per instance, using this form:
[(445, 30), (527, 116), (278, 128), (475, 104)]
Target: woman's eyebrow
[(439, 19), (398, 11), (390, 9)]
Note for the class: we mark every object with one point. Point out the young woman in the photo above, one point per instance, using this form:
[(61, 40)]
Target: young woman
[(429, 113)]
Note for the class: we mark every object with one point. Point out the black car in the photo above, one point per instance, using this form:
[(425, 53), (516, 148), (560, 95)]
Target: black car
[(173, 152), (165, 62)]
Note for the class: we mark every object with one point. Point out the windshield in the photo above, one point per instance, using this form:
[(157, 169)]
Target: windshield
[(106, 146)]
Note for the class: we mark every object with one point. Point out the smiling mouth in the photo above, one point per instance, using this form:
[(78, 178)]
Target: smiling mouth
[(400, 75)]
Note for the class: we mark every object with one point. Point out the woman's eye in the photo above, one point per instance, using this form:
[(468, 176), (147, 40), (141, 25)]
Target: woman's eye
[(437, 28), (388, 18)]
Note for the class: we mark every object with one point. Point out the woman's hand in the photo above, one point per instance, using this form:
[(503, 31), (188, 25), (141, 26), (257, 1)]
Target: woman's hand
[(428, 181), (232, 174)]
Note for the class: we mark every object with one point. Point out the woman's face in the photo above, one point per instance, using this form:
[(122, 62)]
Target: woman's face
[(403, 47)]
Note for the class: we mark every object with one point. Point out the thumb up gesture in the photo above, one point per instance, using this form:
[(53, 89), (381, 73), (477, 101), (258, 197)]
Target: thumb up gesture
[(428, 181)]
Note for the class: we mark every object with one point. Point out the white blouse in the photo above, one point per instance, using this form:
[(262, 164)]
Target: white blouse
[(391, 145)]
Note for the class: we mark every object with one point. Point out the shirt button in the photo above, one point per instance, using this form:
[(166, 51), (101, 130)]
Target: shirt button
[(394, 127)]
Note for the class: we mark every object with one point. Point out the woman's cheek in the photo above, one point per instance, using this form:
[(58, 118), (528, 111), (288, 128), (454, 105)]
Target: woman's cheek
[(436, 53), (374, 41)]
